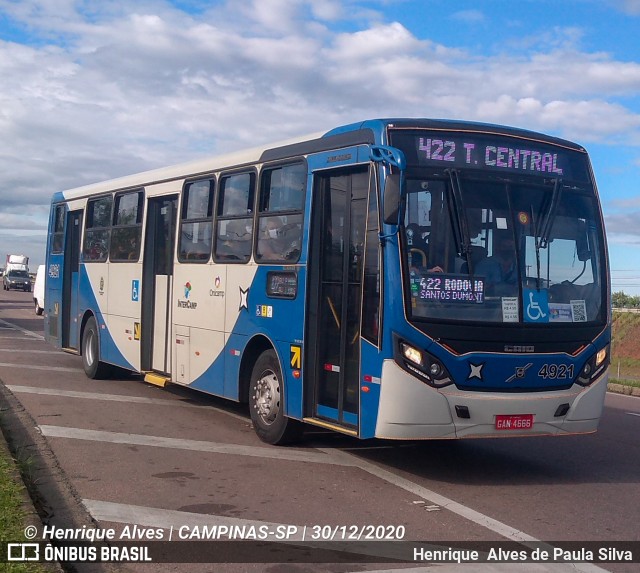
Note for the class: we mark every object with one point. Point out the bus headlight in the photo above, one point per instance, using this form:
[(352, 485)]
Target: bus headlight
[(422, 365), (412, 354), (593, 367)]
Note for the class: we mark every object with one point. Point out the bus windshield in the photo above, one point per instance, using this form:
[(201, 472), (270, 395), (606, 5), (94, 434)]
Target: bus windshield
[(484, 248)]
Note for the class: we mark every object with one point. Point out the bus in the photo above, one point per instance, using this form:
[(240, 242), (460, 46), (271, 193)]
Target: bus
[(394, 278)]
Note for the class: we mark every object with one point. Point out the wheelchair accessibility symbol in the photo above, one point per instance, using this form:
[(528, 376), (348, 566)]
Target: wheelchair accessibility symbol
[(536, 306)]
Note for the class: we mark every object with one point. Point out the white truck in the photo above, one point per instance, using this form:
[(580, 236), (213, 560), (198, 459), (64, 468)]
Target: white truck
[(16, 273), (16, 263)]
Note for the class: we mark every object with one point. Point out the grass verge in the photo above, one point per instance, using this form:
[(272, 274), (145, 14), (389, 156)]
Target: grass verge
[(625, 382), (13, 517)]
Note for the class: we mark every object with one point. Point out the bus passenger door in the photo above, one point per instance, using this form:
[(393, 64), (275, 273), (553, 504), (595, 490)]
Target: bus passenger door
[(335, 291), (157, 284), (71, 280)]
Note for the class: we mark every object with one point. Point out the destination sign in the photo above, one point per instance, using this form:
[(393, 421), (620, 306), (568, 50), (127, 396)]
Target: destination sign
[(447, 288), (491, 152)]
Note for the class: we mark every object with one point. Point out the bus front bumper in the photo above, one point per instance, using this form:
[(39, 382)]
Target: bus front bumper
[(410, 409)]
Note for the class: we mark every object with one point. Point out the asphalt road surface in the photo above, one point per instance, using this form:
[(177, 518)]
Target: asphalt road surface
[(177, 464)]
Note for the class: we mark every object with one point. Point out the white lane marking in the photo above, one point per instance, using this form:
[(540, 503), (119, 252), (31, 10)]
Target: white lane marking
[(23, 330), (430, 495), (632, 413), (173, 520), (168, 518), (49, 368), (16, 389), (58, 352), (193, 445), (329, 456), (462, 510), (98, 396)]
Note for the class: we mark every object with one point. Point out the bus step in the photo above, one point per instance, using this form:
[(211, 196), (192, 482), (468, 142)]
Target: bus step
[(330, 426), (156, 379)]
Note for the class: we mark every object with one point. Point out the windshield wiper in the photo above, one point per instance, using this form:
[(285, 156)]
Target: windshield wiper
[(457, 215), (542, 238)]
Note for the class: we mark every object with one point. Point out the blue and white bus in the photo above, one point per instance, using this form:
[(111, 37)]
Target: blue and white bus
[(395, 278)]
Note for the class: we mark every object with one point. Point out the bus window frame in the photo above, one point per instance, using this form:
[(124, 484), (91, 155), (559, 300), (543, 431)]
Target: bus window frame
[(373, 235), (213, 192), (88, 229), (217, 217)]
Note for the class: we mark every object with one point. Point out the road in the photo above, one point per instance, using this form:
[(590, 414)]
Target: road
[(120, 452)]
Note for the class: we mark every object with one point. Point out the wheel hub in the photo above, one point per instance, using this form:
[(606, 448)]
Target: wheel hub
[(267, 397)]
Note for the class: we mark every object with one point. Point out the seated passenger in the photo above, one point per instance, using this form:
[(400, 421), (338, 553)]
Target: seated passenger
[(278, 241), (500, 270)]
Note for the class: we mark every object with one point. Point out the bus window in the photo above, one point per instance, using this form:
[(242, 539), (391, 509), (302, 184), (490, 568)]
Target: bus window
[(196, 229), (58, 229), (97, 230), (234, 221), (127, 227), (282, 194)]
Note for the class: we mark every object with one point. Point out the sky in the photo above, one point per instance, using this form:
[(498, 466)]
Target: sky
[(92, 90)]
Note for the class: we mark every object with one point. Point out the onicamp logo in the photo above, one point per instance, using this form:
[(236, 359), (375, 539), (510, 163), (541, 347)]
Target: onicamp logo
[(216, 290)]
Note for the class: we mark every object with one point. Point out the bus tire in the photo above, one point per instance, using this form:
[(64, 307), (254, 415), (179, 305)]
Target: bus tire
[(93, 368), (39, 309), (266, 402)]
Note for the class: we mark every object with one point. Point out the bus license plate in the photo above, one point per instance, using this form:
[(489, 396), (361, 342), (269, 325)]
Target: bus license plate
[(514, 422)]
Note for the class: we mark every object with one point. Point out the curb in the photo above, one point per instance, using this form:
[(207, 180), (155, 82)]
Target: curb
[(51, 500), (623, 389)]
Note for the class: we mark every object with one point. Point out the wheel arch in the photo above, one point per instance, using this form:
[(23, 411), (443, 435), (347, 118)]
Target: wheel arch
[(85, 318), (256, 346)]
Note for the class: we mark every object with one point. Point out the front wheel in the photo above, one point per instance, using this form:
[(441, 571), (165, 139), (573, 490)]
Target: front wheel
[(39, 309), (266, 402), (93, 368)]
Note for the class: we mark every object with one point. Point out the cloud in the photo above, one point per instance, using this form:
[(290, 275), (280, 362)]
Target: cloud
[(631, 7), (104, 89)]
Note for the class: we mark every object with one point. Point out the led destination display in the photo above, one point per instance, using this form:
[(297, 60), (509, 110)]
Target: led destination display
[(491, 152)]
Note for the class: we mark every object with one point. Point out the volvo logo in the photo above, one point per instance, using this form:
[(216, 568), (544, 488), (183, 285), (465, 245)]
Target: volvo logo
[(521, 372)]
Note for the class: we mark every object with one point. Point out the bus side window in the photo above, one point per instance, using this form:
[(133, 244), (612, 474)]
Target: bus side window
[(196, 224), (97, 229), (57, 236), (282, 195), (127, 227), (234, 218)]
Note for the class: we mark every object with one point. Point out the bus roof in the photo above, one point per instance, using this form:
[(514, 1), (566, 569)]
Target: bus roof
[(351, 134)]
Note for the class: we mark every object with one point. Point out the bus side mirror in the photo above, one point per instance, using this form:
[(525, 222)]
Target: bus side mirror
[(392, 198), (394, 182)]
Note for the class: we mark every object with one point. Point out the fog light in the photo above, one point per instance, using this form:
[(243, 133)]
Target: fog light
[(435, 370)]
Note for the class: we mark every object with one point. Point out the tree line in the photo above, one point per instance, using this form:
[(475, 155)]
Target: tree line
[(622, 300)]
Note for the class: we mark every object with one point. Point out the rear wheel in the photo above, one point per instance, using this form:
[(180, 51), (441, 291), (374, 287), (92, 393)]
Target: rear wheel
[(93, 368), (266, 402), (39, 309)]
